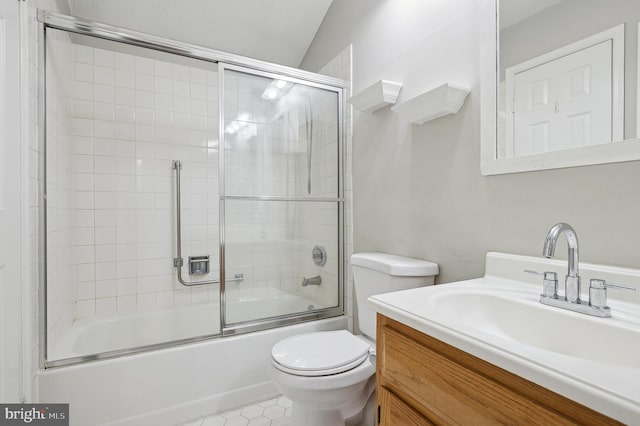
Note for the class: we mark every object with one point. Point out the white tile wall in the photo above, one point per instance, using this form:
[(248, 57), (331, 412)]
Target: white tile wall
[(133, 115), (341, 67)]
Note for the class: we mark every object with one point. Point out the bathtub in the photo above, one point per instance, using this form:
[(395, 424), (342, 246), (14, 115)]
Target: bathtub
[(172, 385), (99, 335)]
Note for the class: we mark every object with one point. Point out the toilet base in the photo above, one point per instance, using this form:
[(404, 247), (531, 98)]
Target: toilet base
[(367, 416), (357, 412)]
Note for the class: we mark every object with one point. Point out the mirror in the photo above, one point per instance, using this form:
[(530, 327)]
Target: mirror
[(562, 86)]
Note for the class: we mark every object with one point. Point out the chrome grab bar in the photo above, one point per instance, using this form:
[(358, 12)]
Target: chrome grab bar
[(308, 130), (178, 261)]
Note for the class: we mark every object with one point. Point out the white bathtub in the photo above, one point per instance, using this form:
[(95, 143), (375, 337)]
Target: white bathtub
[(173, 385), (98, 335)]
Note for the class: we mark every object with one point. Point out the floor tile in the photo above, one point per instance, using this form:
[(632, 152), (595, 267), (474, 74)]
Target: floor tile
[(252, 411), (272, 412), (213, 421)]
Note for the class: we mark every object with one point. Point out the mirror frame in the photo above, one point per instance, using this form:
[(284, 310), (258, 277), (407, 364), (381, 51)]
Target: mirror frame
[(614, 152)]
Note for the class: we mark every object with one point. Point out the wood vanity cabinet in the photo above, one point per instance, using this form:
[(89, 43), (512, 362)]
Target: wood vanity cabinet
[(424, 381)]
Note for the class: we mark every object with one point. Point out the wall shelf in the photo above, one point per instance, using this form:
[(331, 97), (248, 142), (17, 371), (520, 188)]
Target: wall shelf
[(378, 95), (439, 102)]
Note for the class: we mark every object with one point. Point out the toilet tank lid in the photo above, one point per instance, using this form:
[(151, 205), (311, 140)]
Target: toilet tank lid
[(392, 264)]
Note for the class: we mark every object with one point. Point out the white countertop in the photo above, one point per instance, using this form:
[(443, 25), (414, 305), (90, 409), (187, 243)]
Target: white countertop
[(582, 371)]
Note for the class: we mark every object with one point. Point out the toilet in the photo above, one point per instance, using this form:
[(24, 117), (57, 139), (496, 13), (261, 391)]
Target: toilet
[(329, 376)]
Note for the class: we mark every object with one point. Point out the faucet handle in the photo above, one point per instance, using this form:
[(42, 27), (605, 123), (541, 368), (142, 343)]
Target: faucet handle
[(598, 291), (549, 282), (548, 275), (597, 283)]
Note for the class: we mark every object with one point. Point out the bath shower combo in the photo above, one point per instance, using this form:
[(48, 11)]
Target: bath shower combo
[(155, 149)]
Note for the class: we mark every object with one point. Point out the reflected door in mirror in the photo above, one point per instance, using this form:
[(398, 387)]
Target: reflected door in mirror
[(560, 104)]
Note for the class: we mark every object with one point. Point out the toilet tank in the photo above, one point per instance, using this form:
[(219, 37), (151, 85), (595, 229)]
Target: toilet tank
[(376, 273)]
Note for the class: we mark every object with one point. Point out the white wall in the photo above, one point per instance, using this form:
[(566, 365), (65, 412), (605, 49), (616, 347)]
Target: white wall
[(19, 200), (418, 190), (12, 293)]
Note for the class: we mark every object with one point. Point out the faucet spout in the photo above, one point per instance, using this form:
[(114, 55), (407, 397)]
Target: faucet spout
[(572, 282), (572, 241)]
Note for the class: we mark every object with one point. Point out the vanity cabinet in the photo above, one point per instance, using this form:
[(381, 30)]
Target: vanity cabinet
[(424, 381)]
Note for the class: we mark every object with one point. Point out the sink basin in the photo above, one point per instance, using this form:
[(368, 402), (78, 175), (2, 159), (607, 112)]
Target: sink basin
[(518, 316), (499, 318)]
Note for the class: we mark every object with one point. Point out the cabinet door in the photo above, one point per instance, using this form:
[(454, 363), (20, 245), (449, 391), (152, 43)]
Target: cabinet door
[(394, 412)]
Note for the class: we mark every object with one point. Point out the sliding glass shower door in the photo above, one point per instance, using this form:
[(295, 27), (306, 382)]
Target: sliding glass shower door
[(282, 205), (182, 198), (117, 118)]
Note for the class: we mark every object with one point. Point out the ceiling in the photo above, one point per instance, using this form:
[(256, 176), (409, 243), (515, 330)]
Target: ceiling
[(278, 31)]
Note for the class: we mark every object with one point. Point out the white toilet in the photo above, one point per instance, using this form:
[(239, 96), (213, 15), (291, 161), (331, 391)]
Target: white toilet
[(329, 376)]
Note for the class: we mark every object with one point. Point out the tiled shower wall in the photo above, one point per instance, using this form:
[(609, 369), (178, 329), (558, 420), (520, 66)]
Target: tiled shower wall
[(339, 67), (133, 115)]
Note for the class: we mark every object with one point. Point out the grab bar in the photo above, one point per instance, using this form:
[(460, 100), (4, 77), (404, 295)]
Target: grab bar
[(308, 131), (178, 261)]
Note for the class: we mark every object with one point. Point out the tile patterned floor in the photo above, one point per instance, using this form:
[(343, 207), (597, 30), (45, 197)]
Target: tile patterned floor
[(273, 412)]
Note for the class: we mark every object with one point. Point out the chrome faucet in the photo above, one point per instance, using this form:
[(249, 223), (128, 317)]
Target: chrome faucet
[(597, 304), (572, 279)]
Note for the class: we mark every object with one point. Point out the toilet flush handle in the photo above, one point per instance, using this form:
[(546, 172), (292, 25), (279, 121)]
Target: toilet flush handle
[(372, 356)]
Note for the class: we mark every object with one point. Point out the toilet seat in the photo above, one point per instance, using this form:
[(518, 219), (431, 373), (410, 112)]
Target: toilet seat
[(321, 353)]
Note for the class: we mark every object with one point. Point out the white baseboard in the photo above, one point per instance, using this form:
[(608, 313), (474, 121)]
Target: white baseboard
[(185, 412)]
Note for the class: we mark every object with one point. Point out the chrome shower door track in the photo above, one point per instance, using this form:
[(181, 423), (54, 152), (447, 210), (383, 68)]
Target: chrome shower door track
[(136, 38)]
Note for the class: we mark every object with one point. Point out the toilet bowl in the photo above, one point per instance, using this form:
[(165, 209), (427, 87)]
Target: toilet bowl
[(329, 376)]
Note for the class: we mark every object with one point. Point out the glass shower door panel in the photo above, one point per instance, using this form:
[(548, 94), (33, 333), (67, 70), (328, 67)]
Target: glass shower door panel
[(281, 183), (117, 116), (281, 137), (271, 243)]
